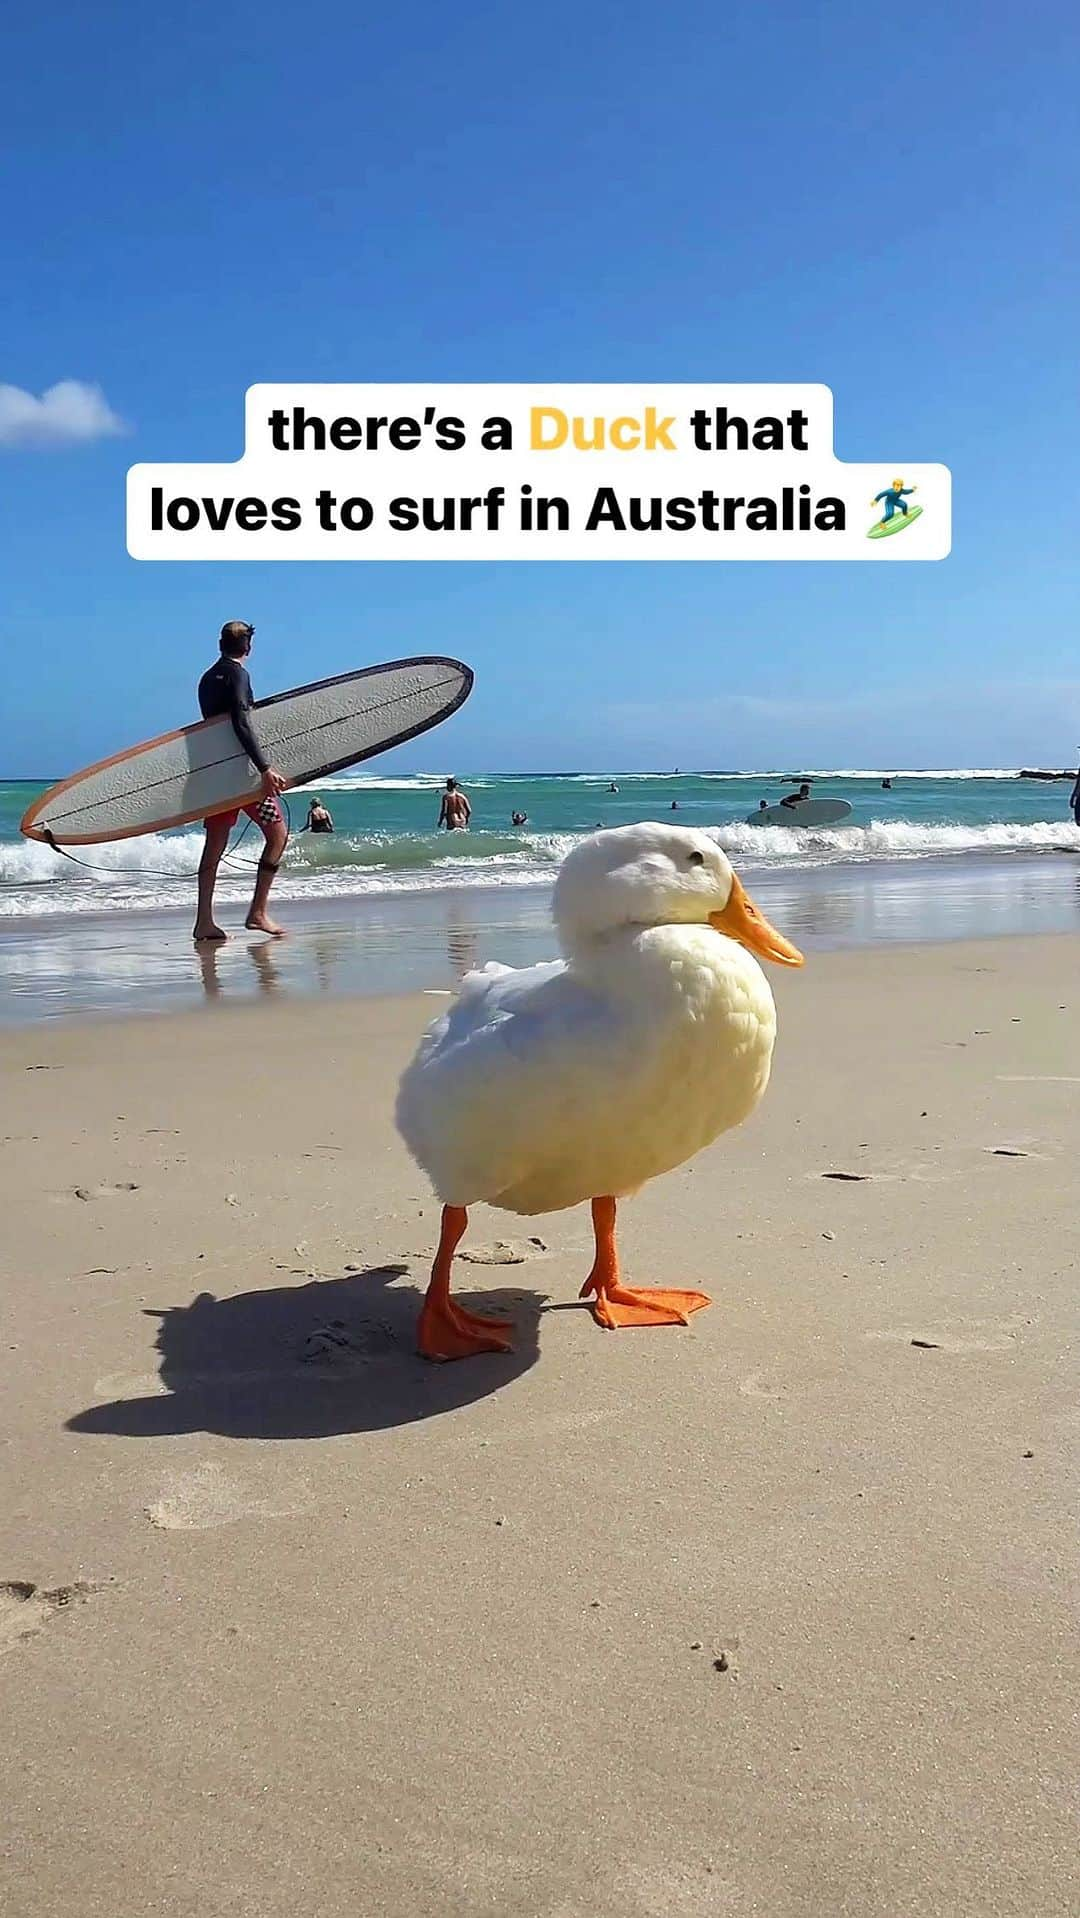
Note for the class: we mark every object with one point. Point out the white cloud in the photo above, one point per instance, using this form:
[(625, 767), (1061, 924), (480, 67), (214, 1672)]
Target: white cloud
[(67, 414)]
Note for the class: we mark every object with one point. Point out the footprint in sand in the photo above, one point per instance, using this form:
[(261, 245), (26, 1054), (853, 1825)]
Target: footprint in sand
[(496, 1252), (208, 1496), (25, 1609), (343, 1346), (502, 1252), (88, 1192), (1012, 1150), (1038, 1079), (901, 1171), (758, 1385), (961, 1336)]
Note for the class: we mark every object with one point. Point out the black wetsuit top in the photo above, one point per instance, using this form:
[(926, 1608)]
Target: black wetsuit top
[(226, 688)]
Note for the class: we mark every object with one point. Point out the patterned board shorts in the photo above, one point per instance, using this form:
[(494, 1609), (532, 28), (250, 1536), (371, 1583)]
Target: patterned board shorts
[(266, 812)]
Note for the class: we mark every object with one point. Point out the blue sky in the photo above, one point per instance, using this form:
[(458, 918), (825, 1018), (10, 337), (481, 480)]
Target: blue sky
[(880, 199)]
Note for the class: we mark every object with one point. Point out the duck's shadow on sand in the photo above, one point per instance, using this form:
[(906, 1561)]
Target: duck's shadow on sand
[(317, 1360)]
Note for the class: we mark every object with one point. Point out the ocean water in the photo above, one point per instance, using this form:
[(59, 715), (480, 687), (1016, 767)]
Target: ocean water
[(386, 843)]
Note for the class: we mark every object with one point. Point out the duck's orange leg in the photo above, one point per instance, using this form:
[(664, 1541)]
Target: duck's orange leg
[(446, 1330), (618, 1304)]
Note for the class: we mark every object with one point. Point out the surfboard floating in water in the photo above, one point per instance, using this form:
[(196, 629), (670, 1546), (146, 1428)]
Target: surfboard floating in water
[(808, 812), (202, 769), (886, 528)]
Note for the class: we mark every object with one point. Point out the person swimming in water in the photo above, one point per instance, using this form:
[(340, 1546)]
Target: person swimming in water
[(894, 497)]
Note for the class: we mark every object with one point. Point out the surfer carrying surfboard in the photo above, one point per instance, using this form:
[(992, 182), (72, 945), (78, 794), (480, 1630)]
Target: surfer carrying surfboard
[(894, 497), (226, 689)]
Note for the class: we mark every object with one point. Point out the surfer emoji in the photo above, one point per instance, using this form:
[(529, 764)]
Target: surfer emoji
[(897, 513)]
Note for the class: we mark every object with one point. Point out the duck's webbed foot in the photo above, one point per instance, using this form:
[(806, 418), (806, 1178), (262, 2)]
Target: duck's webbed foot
[(446, 1329), (619, 1305)]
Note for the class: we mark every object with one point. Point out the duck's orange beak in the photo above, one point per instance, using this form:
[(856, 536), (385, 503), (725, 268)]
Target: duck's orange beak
[(741, 920)]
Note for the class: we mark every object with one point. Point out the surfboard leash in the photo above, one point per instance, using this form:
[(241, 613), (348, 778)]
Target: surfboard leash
[(149, 872)]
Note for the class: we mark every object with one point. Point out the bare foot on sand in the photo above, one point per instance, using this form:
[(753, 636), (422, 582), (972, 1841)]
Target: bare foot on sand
[(258, 922), (209, 935)]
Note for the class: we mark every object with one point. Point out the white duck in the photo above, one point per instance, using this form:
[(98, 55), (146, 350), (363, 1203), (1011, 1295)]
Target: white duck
[(582, 1078)]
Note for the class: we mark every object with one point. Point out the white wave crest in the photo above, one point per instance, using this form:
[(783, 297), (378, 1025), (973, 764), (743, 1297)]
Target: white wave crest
[(895, 839), (790, 771), (378, 783), (27, 863), (891, 772)]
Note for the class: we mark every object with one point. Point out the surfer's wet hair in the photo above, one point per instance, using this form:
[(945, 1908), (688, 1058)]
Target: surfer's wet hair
[(236, 637)]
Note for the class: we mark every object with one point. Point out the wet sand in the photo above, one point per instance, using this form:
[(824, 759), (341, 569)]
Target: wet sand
[(771, 1615), (65, 966)]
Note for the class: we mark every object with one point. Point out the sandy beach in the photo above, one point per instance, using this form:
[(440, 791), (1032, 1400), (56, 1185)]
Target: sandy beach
[(771, 1615)]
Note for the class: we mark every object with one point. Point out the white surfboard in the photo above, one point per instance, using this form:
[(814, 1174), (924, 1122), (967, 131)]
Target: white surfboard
[(202, 769), (808, 812)]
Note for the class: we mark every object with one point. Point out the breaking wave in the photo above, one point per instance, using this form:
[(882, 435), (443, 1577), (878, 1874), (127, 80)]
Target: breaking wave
[(158, 871), (895, 839)]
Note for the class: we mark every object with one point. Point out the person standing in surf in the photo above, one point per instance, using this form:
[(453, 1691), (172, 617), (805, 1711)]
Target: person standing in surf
[(226, 690), (319, 818), (455, 811)]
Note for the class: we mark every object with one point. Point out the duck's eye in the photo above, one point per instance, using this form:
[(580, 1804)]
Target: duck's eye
[(695, 858)]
